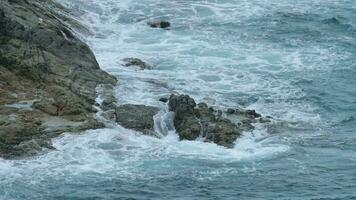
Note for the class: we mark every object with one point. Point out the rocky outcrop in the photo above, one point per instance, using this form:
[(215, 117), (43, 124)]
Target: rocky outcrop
[(135, 62), (137, 117), (223, 128), (43, 63)]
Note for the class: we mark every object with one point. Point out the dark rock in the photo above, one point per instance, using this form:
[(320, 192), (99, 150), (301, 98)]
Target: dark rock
[(164, 99), (129, 62), (253, 113), (186, 122), (136, 117), (159, 24), (193, 121), (202, 105), (230, 111), (264, 120)]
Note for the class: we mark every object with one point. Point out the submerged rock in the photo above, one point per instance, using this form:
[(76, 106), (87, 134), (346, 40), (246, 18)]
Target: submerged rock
[(137, 117), (192, 121), (159, 24), (135, 62), (163, 99), (42, 61)]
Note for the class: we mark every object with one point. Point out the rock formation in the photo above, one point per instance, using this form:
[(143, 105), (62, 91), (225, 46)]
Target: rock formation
[(135, 62), (193, 121), (48, 77), (137, 117)]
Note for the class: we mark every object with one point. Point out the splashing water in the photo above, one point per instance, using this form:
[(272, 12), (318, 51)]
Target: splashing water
[(291, 60)]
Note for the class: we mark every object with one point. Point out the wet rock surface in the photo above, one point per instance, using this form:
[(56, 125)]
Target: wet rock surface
[(135, 62), (159, 24), (198, 120), (43, 62), (163, 99), (137, 117)]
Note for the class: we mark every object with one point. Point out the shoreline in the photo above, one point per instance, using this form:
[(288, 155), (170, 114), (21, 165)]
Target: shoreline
[(77, 77), (49, 77)]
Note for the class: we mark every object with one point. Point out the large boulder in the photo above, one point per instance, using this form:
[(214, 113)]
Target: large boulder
[(137, 117), (43, 62), (193, 121)]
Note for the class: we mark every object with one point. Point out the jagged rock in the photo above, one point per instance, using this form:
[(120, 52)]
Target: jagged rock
[(135, 62), (192, 121), (185, 121), (136, 117), (159, 24), (42, 60)]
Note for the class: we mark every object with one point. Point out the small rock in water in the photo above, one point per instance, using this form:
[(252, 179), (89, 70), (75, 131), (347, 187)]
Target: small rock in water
[(264, 120), (253, 113), (159, 24), (164, 99), (136, 62), (230, 111)]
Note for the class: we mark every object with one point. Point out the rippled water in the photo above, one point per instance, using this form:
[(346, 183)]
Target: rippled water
[(292, 60)]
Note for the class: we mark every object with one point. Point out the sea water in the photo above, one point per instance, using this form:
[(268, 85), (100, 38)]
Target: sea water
[(292, 60)]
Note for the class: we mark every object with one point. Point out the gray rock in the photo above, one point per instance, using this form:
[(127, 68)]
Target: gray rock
[(185, 121), (135, 62), (136, 117), (42, 60), (192, 121), (164, 99)]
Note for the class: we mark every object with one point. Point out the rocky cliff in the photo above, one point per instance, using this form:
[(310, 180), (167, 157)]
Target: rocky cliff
[(48, 77)]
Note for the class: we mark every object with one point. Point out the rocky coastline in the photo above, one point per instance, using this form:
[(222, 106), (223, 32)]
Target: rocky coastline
[(50, 80), (48, 77)]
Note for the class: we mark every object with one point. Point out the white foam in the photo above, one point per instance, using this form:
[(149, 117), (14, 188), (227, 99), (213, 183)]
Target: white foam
[(118, 150)]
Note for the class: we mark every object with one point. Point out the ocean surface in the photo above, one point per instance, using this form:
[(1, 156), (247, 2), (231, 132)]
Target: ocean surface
[(292, 60)]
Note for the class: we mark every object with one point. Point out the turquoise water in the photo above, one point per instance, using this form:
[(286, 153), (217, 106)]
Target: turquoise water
[(292, 60)]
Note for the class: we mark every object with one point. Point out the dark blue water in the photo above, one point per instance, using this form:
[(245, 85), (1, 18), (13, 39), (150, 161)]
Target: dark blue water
[(292, 60)]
